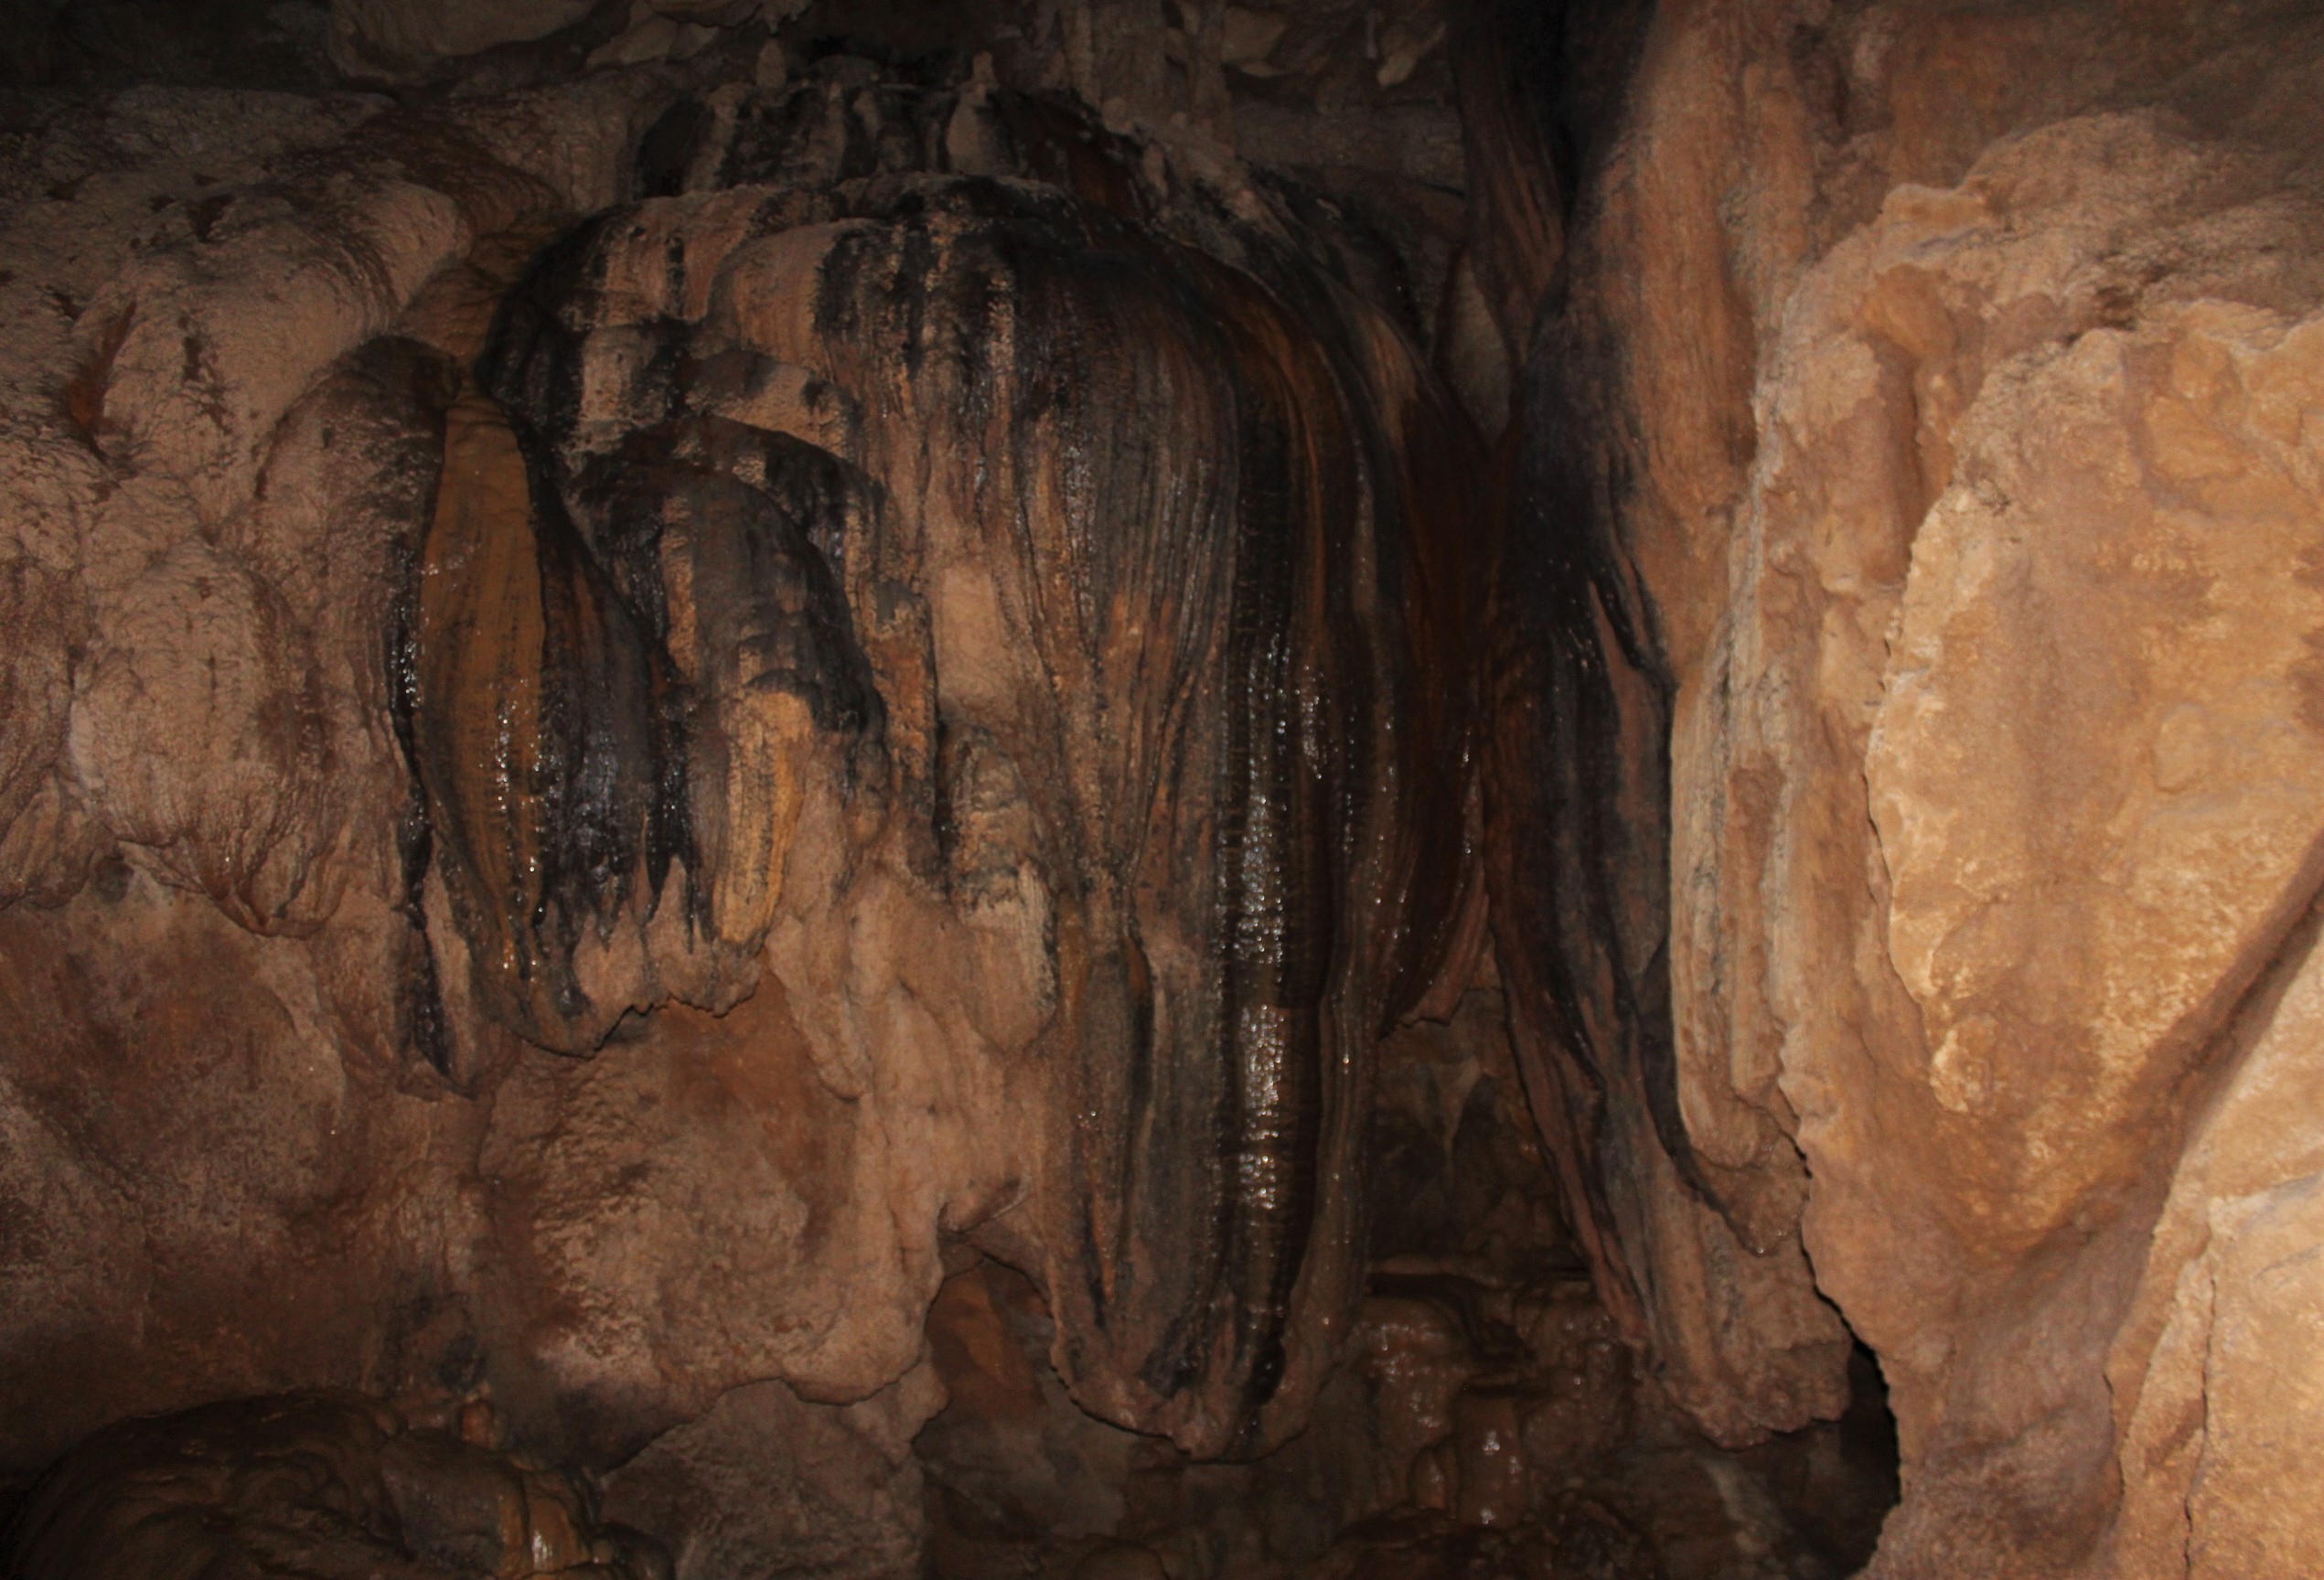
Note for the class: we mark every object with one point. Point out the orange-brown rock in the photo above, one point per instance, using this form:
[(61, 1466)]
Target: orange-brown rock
[(638, 717), (809, 592), (1911, 455)]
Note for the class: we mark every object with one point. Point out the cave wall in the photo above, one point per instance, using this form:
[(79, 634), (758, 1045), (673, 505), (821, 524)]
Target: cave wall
[(214, 1160), (1918, 446), (611, 751), (1898, 783)]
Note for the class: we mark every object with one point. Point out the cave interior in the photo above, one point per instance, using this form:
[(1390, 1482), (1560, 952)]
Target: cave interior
[(1157, 790)]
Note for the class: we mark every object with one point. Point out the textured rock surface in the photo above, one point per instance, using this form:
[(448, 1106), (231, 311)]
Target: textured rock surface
[(1489, 1416), (217, 463), (1034, 831), (763, 1485), (871, 625), (681, 681), (314, 1485), (396, 33), (1956, 543)]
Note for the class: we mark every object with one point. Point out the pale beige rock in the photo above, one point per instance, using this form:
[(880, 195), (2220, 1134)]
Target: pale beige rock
[(713, 1144), (2100, 860), (1977, 510), (2085, 764), (2214, 1372)]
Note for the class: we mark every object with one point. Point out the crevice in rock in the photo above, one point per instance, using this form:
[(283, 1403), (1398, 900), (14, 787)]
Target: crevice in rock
[(1488, 1418)]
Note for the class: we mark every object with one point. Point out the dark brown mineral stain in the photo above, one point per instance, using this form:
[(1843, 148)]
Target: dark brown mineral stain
[(544, 727), (1254, 539), (1576, 764)]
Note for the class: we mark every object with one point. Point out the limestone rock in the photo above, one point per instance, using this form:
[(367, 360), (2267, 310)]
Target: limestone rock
[(791, 586), (2069, 906), (711, 1143), (204, 861), (2213, 1373), (1949, 550), (763, 1484), (421, 675), (635, 722)]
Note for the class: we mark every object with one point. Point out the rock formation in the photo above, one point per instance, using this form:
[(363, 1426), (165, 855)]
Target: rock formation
[(979, 609), (794, 581), (1909, 453), (1105, 788)]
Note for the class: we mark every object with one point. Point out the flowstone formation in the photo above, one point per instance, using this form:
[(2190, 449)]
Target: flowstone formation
[(904, 687), (1065, 577), (1111, 789)]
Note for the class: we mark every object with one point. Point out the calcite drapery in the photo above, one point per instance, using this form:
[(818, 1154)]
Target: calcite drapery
[(1097, 558)]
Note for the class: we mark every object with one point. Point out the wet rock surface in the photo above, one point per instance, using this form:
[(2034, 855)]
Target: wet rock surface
[(779, 739), (792, 572), (1488, 1419), (728, 636)]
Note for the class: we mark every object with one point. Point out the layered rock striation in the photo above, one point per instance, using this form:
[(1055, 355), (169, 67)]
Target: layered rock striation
[(1075, 575)]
